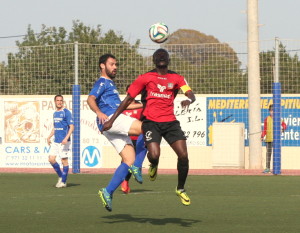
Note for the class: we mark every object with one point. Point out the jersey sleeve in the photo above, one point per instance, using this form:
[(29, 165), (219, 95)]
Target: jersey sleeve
[(98, 88), (184, 86), (283, 125), (137, 86), (69, 117), (264, 131)]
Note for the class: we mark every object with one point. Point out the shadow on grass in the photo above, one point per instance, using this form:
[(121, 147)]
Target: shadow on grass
[(125, 218), (141, 190), (72, 185)]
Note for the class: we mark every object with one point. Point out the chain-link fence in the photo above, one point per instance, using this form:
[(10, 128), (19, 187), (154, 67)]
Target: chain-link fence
[(216, 71), (209, 68)]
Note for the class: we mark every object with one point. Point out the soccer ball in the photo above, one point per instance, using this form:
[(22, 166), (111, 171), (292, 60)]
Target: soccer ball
[(159, 32)]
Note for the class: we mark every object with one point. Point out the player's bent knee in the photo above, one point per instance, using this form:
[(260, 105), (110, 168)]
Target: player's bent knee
[(65, 162), (183, 156), (128, 155), (52, 159), (153, 156)]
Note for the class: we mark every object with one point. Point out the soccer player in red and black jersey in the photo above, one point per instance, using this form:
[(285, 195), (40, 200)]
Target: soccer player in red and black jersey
[(135, 111), (160, 87)]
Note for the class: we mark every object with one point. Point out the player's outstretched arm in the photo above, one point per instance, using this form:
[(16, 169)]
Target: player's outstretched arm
[(124, 104), (190, 99), (134, 105)]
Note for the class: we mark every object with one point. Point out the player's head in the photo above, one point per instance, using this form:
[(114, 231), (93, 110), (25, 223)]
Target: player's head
[(108, 65), (59, 101), (161, 58), (271, 107), (55, 97)]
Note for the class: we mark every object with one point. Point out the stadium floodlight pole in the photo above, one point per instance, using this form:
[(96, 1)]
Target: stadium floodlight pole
[(276, 114), (255, 148), (76, 115)]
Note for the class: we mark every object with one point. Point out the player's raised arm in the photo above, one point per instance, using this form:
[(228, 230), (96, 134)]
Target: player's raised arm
[(188, 93)]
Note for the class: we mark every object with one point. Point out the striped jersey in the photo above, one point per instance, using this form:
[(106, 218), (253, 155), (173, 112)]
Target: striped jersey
[(107, 96), (61, 120)]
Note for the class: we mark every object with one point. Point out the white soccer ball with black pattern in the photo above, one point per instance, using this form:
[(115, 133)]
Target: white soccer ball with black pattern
[(159, 32)]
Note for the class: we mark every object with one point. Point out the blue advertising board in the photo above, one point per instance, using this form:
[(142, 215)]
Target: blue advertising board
[(235, 109)]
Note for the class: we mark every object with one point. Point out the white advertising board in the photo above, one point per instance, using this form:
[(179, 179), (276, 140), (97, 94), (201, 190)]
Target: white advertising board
[(26, 122)]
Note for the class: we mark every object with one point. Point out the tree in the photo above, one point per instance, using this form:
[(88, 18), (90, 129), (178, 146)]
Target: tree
[(213, 66), (203, 47), (289, 71), (44, 63)]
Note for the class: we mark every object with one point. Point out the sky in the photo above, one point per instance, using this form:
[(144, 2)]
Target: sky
[(226, 20)]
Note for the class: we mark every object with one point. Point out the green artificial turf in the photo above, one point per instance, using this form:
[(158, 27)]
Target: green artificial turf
[(29, 203)]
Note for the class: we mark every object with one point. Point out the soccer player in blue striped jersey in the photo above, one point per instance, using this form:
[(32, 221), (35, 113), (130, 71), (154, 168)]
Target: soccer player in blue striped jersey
[(63, 128), (104, 100)]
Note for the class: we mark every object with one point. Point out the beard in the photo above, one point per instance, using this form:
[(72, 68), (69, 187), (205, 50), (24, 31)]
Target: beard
[(112, 74)]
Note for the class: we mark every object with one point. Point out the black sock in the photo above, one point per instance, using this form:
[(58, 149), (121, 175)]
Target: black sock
[(128, 176), (183, 169)]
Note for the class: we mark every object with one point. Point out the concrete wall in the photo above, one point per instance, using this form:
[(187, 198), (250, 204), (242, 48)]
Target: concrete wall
[(201, 158)]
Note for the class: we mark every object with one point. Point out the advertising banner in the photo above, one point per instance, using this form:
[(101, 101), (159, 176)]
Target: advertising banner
[(193, 120), (26, 122), (235, 109)]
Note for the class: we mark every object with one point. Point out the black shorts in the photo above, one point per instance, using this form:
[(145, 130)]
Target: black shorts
[(154, 131)]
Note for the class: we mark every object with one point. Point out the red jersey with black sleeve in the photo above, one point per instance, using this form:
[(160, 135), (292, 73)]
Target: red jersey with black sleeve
[(159, 94)]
